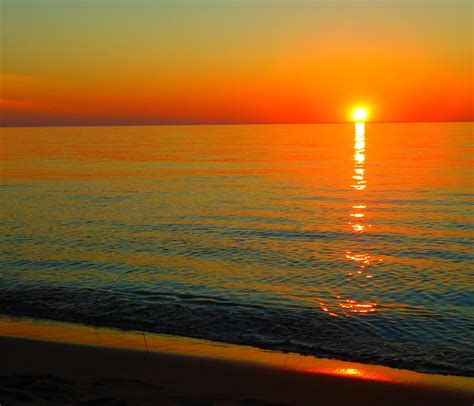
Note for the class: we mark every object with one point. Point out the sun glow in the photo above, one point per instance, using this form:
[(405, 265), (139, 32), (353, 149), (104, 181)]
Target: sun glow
[(359, 114)]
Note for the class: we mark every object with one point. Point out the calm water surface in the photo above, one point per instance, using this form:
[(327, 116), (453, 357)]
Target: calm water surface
[(332, 240)]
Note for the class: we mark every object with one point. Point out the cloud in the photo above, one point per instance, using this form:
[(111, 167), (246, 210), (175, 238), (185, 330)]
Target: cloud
[(26, 105), (17, 78)]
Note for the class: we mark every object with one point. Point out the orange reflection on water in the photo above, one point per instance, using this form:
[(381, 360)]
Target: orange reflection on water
[(359, 176), (359, 228), (353, 306), (350, 305), (359, 157), (363, 259)]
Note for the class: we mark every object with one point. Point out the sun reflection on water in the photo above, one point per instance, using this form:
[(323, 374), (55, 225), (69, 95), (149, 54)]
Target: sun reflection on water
[(358, 223), (359, 158)]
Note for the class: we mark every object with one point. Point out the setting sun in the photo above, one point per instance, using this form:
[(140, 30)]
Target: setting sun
[(237, 187), (359, 114)]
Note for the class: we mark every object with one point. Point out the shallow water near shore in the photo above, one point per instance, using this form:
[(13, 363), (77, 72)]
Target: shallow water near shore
[(330, 240)]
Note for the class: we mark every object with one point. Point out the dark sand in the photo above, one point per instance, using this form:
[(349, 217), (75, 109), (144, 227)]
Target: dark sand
[(175, 371)]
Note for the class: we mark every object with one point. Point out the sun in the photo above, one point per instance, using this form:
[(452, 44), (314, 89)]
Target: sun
[(359, 114)]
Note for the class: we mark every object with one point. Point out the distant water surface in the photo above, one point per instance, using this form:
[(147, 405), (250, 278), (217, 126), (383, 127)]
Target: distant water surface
[(332, 240)]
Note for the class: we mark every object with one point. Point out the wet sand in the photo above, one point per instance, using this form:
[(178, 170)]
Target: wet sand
[(57, 363)]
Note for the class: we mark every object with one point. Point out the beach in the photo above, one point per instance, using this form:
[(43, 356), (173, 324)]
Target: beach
[(50, 363)]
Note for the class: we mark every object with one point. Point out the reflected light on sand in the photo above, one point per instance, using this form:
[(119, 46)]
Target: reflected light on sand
[(348, 371)]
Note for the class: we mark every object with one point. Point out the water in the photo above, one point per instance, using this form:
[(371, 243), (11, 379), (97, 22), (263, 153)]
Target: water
[(319, 239)]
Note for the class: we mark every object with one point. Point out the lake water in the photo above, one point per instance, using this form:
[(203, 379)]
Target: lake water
[(333, 240)]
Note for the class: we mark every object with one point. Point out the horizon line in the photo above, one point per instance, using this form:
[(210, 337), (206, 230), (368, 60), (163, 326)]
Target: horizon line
[(172, 124)]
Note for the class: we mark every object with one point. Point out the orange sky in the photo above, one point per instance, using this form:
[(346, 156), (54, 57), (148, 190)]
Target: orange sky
[(142, 62)]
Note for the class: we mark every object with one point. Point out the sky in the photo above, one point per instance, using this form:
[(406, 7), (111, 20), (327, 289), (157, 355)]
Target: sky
[(107, 62)]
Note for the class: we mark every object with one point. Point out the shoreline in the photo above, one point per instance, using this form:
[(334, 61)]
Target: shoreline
[(451, 363), (86, 363)]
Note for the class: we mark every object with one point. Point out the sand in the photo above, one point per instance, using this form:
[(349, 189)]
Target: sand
[(49, 363)]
